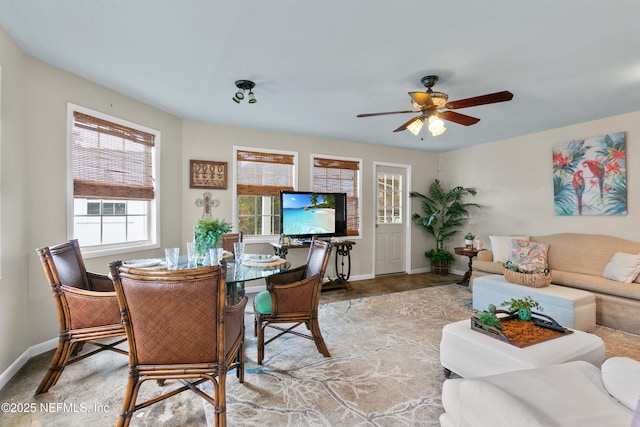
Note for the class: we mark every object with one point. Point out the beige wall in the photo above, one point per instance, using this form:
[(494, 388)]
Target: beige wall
[(15, 333), (514, 182)]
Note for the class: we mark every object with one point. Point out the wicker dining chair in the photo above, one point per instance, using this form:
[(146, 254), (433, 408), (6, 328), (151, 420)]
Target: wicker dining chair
[(293, 297), (228, 239), (179, 327), (87, 309)]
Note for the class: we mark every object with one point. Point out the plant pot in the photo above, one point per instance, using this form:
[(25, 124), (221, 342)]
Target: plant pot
[(524, 314), (440, 267)]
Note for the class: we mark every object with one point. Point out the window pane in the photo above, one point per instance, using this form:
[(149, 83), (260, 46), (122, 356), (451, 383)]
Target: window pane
[(260, 177), (389, 198), (87, 230), (136, 228), (114, 229)]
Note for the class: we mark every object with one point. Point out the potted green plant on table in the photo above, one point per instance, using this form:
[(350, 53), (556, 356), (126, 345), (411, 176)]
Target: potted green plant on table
[(523, 306), (444, 212), (207, 235), (468, 240)]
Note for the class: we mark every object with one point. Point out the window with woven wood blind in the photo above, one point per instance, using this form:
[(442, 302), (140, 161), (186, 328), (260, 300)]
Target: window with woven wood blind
[(111, 161), (112, 177), (260, 177), (338, 175)]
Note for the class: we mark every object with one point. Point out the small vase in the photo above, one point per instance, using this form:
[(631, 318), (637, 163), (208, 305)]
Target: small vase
[(524, 314), (468, 244)]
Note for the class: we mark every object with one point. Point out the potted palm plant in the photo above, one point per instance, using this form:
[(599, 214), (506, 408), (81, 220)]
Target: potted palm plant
[(443, 213)]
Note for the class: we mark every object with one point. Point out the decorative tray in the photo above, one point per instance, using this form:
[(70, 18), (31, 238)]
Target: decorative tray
[(522, 333)]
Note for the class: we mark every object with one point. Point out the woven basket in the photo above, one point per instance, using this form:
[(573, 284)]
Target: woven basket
[(534, 280)]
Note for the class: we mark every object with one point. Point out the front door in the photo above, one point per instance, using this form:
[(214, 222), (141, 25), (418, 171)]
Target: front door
[(390, 217)]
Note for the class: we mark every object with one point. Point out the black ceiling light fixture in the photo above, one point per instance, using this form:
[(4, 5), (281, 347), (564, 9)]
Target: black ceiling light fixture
[(242, 86)]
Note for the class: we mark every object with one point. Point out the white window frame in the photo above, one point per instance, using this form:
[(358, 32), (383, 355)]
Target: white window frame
[(266, 238), (360, 202), (154, 205)]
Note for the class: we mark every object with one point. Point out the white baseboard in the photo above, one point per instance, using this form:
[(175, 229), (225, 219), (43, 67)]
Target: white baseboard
[(32, 351)]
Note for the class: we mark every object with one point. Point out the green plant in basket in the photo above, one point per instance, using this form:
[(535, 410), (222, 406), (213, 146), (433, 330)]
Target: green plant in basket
[(439, 255)]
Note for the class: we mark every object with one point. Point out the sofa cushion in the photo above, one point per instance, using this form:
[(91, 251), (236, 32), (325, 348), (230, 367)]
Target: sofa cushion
[(621, 378), (501, 247), (528, 256), (596, 284), (622, 267)]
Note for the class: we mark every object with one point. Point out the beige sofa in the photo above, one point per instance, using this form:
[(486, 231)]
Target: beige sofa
[(577, 261)]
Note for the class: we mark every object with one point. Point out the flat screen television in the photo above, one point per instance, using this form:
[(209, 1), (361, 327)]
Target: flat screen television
[(305, 214)]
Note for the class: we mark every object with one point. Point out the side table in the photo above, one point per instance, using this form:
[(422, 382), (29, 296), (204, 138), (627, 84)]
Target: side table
[(468, 253)]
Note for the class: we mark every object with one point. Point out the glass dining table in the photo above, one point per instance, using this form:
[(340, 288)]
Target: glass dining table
[(239, 273)]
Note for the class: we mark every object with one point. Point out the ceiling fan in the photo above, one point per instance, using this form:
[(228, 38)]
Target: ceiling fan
[(433, 106)]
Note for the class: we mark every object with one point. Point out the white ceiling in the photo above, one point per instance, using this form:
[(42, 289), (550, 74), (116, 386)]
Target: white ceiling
[(318, 64)]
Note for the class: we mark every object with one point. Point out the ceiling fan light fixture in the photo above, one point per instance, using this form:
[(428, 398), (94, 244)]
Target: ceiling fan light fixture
[(439, 99), (252, 98), (436, 126), (416, 126)]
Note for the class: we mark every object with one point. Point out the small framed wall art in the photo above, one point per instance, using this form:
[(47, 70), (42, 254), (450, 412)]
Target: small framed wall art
[(207, 174)]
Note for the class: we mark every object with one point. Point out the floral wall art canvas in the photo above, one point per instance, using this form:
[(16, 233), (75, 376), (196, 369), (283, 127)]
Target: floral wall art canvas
[(590, 176)]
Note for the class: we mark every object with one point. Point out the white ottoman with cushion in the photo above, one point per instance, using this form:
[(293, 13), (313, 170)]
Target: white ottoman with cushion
[(472, 354), (572, 308)]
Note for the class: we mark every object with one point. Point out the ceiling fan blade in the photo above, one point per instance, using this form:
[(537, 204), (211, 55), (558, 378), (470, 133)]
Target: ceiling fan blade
[(407, 124), (421, 98), (480, 100), (383, 114), (461, 119)]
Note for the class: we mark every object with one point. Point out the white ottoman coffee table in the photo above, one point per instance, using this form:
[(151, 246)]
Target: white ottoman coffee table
[(572, 308), (472, 354)]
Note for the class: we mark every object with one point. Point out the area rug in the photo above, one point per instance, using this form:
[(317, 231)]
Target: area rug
[(384, 368)]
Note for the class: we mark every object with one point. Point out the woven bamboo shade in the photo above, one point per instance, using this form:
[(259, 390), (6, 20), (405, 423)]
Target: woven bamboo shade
[(264, 174), (111, 161), (339, 176)]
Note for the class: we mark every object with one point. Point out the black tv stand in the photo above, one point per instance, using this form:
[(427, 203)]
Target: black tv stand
[(343, 253)]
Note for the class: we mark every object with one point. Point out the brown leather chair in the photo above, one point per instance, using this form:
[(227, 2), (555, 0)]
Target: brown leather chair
[(293, 297), (87, 308), (179, 327)]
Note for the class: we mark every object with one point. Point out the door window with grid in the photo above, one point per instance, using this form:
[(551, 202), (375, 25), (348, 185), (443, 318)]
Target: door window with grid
[(113, 182), (260, 177), (389, 198), (340, 175)]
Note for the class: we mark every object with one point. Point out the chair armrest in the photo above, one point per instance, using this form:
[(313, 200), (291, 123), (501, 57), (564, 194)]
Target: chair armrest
[(292, 275), (484, 404), (296, 297), (90, 308), (486, 255), (100, 282), (234, 323)]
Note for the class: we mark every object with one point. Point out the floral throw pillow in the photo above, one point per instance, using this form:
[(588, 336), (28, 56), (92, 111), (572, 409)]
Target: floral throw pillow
[(531, 255)]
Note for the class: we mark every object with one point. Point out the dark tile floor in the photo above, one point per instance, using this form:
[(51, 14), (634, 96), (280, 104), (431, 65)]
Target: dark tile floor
[(387, 284)]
